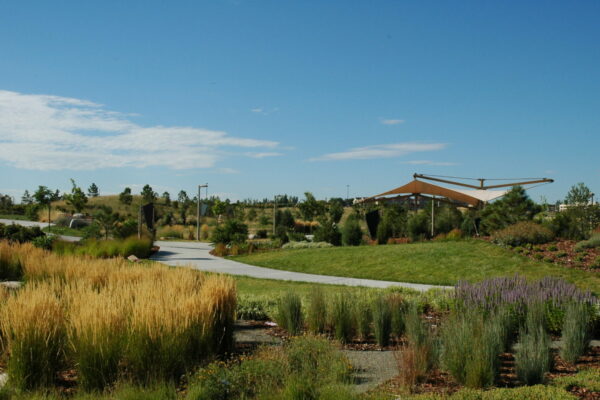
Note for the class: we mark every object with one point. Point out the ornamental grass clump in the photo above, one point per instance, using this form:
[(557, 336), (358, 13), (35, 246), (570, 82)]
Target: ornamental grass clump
[(421, 352), (317, 311), (382, 320), (289, 313), (398, 308), (363, 316), (33, 331), (10, 264), (470, 348), (576, 331), (342, 320), (96, 332), (532, 357)]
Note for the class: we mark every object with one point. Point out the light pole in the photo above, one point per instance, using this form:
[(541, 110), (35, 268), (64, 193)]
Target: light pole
[(347, 193), (198, 209)]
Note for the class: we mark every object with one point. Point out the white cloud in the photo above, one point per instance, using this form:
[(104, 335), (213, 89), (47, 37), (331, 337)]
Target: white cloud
[(428, 162), (42, 132), (228, 171), (392, 121), (257, 110), (380, 151), (263, 154)]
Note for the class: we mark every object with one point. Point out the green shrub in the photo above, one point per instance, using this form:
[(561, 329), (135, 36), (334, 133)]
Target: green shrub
[(289, 313), (317, 311), (576, 331), (306, 245), (342, 319), (18, 233), (351, 233), (532, 357), (126, 229), (382, 320), (596, 263), (232, 231), (418, 226), (591, 243), (521, 233), (252, 309), (588, 379), (552, 248), (398, 308), (328, 232)]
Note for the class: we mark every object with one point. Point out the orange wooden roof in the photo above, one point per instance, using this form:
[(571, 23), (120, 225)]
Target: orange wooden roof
[(420, 187)]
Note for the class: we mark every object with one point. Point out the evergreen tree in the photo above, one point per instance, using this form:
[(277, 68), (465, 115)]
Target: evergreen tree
[(77, 199), (515, 206), (125, 196), (148, 194), (93, 190)]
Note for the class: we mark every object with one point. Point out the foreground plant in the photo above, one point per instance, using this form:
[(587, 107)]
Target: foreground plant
[(289, 313), (532, 357), (576, 331)]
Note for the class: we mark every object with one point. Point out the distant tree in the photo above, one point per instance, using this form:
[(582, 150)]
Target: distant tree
[(579, 194), (515, 206), (125, 196), (182, 197), (328, 231), (284, 218), (26, 198), (232, 231), (93, 190), (77, 199), (310, 208), (167, 198), (351, 232), (251, 215), (336, 209), (148, 194), (219, 208), (106, 219), (43, 196)]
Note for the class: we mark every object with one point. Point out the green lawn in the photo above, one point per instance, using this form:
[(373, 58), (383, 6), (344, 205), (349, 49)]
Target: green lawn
[(438, 263)]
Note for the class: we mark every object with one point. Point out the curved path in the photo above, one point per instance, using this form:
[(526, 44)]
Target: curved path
[(196, 255)]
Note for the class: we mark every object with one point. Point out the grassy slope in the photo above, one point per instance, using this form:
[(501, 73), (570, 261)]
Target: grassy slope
[(442, 263)]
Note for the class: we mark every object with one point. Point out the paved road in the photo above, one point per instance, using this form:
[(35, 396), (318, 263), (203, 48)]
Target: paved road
[(40, 224), (197, 255)]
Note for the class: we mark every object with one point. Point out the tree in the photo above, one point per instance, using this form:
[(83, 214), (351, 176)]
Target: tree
[(336, 209), (251, 216), (106, 219), (125, 196), (579, 194), (310, 208), (351, 232), (148, 194), (93, 190), (43, 196), (515, 206), (232, 231), (328, 232), (219, 208), (26, 198), (77, 199), (167, 198), (182, 197)]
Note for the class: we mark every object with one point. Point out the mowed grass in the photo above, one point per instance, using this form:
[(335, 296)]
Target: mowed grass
[(437, 263)]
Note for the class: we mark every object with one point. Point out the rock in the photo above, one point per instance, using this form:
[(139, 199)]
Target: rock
[(14, 285), (133, 258), (3, 379)]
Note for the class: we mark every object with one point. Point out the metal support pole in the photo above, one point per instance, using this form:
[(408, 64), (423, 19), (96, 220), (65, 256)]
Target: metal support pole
[(198, 209), (432, 216), (274, 213)]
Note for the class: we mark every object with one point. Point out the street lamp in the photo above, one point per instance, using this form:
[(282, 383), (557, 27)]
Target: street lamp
[(198, 209)]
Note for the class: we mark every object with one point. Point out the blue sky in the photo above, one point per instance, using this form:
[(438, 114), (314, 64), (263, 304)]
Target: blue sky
[(264, 97)]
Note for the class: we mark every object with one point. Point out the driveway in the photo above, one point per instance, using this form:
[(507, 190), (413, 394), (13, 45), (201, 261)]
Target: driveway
[(196, 255)]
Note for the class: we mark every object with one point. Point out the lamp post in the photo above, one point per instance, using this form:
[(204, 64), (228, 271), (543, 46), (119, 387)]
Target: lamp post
[(198, 209)]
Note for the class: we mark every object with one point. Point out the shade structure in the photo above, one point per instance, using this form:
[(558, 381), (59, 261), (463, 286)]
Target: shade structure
[(423, 188)]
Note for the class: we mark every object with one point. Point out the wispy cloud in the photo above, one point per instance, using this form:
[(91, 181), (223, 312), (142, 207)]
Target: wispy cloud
[(429, 162), (380, 151), (42, 132), (228, 171), (392, 121), (264, 111), (263, 154)]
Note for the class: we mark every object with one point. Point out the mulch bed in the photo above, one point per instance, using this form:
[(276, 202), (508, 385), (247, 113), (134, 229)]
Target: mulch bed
[(560, 252), (442, 383)]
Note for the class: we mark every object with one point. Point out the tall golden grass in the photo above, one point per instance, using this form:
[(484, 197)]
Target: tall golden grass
[(116, 318)]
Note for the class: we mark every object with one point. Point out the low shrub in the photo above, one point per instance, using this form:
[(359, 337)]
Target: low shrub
[(521, 233), (289, 313), (552, 248), (341, 317), (252, 309), (591, 243), (576, 331), (351, 232), (317, 311), (382, 320), (306, 245), (261, 234), (454, 234), (18, 233), (232, 231), (204, 232), (588, 379)]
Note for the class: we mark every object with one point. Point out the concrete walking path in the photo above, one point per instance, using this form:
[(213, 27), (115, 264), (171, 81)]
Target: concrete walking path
[(196, 255)]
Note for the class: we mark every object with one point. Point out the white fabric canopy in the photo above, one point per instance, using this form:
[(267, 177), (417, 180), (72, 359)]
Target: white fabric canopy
[(483, 195)]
